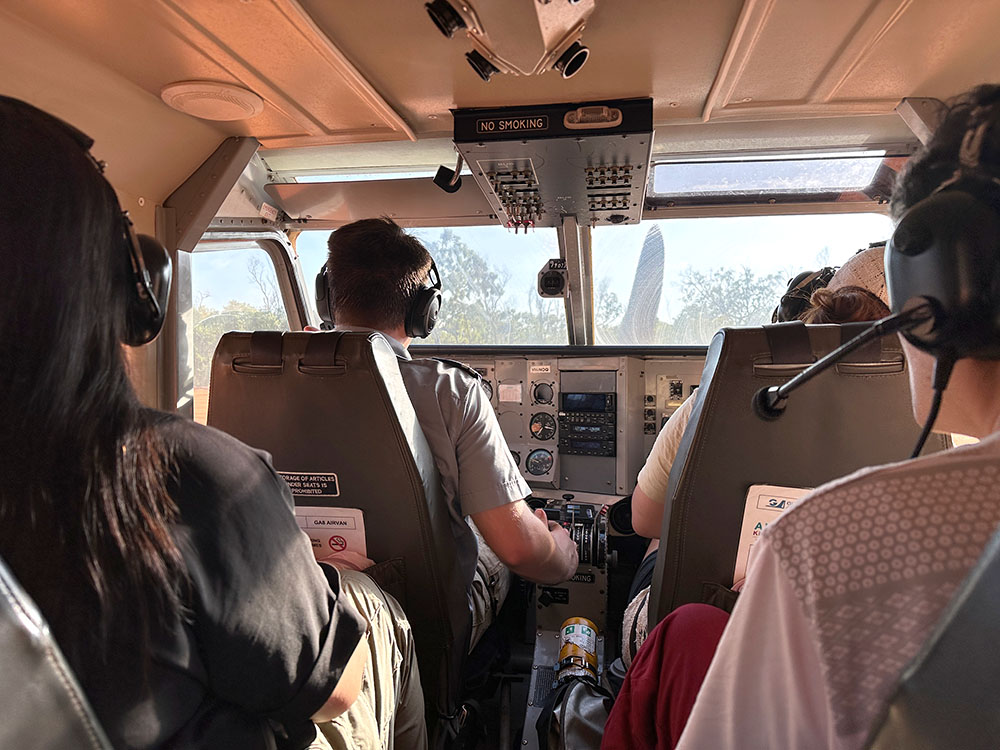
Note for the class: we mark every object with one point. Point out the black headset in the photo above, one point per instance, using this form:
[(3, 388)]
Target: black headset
[(945, 253), (795, 300), (149, 260), (420, 319)]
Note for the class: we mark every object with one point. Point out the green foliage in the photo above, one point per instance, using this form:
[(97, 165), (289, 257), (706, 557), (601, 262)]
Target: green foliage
[(479, 307), (711, 300), (211, 322), (724, 297)]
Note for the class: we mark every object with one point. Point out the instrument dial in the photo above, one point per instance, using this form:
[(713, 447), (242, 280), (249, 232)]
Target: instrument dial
[(488, 387), (543, 393), (517, 458), (539, 462), (542, 426)]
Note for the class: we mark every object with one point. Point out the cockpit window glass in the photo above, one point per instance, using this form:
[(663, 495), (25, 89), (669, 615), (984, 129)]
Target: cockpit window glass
[(234, 287), (765, 176), (675, 282), (490, 279)]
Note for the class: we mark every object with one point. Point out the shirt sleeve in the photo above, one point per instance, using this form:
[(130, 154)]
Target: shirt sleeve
[(655, 474), (765, 686), (487, 474), (272, 628)]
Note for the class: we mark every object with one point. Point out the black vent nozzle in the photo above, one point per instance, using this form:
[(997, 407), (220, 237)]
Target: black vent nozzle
[(445, 17), (483, 67)]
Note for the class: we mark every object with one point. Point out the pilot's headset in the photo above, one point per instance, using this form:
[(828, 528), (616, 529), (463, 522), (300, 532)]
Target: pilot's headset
[(795, 300), (420, 319), (149, 260), (945, 253)]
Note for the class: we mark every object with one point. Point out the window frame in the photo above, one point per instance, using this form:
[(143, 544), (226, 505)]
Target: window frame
[(288, 274)]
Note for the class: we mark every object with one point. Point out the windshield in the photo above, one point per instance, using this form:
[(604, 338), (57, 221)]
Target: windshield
[(490, 279), (675, 282)]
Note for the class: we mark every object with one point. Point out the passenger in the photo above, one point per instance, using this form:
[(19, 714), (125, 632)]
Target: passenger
[(856, 292), (374, 271), (164, 555), (846, 587)]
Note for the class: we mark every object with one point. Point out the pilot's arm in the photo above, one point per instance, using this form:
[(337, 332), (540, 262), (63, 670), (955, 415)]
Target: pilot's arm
[(491, 492), (527, 543)]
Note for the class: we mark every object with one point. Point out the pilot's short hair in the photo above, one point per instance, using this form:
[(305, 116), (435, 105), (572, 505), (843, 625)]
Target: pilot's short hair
[(374, 270), (937, 161)]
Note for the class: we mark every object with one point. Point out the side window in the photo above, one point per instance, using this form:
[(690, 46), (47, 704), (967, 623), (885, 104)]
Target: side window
[(232, 289)]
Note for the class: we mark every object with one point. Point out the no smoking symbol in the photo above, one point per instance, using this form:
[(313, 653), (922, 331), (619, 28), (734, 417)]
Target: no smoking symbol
[(338, 543)]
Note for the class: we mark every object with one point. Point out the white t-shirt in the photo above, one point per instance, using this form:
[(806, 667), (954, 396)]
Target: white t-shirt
[(843, 591), (655, 473)]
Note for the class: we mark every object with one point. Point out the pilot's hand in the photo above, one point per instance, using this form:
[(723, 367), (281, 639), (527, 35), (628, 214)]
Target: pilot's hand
[(565, 546)]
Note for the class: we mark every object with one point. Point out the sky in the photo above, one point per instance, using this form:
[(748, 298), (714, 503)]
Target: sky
[(766, 244)]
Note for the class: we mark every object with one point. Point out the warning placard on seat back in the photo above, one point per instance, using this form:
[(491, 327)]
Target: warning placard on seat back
[(311, 485), (333, 529)]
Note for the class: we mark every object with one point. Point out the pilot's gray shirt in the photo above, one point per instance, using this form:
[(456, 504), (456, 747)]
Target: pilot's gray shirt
[(472, 457)]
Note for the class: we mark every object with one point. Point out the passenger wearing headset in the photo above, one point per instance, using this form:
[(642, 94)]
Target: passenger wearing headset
[(846, 587), (164, 555), (378, 277)]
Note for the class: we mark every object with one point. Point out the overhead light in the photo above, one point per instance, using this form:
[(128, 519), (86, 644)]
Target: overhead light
[(211, 100)]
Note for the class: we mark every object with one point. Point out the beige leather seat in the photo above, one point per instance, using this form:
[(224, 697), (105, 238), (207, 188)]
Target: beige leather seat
[(854, 415), (335, 403)]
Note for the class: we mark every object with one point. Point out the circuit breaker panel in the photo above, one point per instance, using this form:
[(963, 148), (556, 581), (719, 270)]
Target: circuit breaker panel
[(538, 164)]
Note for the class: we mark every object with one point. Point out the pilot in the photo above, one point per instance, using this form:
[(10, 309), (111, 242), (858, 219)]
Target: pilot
[(848, 585), (379, 278)]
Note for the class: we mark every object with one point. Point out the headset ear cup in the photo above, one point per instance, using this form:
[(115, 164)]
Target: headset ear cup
[(945, 252), (424, 313), (324, 303), (150, 292)]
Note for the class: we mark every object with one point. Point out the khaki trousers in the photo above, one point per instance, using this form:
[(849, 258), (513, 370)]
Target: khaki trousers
[(389, 711)]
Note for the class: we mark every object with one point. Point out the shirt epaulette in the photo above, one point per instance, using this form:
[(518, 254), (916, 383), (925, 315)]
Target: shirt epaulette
[(460, 365)]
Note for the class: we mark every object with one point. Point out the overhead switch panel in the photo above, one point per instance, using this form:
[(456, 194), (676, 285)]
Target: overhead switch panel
[(538, 164)]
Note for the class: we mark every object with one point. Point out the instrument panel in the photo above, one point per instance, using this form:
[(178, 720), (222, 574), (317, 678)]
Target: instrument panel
[(579, 423)]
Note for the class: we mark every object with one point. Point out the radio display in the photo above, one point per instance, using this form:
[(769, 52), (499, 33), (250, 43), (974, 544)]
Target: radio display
[(584, 402), (586, 428), (586, 445)]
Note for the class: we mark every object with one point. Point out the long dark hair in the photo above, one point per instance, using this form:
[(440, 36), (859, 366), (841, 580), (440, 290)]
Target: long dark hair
[(84, 512)]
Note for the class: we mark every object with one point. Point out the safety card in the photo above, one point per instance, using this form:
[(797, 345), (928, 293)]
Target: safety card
[(333, 529), (765, 502)]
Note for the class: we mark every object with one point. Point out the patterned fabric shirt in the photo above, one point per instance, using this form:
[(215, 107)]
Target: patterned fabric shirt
[(844, 590)]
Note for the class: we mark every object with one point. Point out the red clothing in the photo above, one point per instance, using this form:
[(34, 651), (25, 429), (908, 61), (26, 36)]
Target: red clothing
[(661, 685)]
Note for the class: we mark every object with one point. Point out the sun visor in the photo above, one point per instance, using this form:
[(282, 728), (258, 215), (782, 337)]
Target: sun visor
[(410, 202)]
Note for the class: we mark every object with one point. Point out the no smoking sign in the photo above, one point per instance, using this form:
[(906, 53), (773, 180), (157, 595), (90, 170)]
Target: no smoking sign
[(338, 543)]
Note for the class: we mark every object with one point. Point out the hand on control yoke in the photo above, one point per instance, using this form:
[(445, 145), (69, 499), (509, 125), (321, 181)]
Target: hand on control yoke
[(565, 546)]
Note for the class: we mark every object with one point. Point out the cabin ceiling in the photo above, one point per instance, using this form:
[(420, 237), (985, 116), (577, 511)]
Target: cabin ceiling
[(721, 72)]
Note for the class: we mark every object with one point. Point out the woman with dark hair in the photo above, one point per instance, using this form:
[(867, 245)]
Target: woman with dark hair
[(846, 587), (164, 555)]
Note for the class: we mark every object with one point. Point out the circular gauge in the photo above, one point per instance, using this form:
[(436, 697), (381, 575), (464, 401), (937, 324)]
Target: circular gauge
[(543, 393), (539, 462), (542, 426), (517, 458), (488, 387)]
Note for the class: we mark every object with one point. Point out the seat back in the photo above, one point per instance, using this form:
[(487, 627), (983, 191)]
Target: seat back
[(948, 695), (43, 705), (855, 414), (335, 403)]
